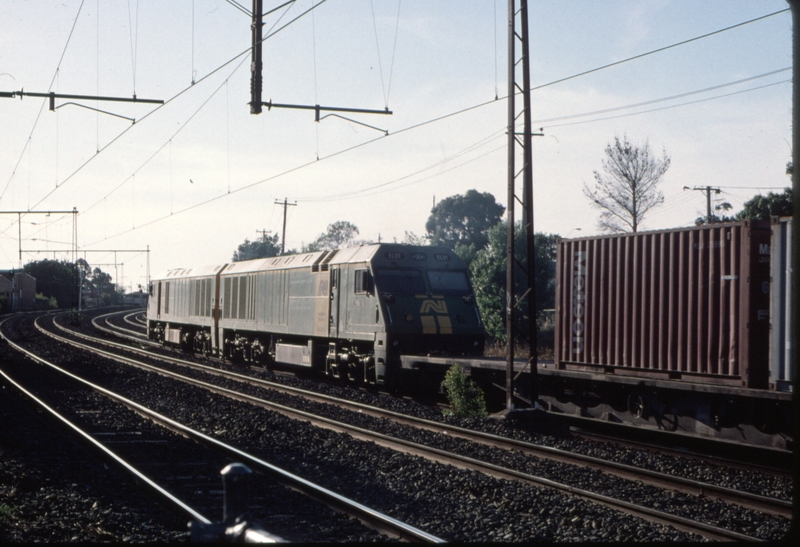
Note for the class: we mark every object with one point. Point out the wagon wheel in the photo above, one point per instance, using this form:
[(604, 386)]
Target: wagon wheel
[(635, 405), (669, 419)]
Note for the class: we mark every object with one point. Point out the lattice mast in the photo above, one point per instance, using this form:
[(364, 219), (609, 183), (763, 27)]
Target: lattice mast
[(517, 296)]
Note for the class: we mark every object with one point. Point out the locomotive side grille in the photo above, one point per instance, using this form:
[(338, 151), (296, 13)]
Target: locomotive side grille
[(326, 262), (315, 265), (244, 286), (226, 299)]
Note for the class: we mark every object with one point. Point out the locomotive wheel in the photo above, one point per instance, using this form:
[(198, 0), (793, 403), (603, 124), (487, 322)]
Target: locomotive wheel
[(636, 405), (768, 418)]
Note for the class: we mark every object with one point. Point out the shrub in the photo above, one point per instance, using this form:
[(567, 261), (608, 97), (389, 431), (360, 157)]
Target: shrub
[(465, 397), (45, 302), (6, 512)]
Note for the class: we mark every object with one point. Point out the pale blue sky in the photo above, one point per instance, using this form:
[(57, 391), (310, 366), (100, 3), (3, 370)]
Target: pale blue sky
[(439, 58)]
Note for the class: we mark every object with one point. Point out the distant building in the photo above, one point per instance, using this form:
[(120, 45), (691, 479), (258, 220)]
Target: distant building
[(19, 288), (135, 299)]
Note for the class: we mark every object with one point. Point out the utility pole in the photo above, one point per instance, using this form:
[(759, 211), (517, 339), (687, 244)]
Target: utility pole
[(255, 58), (283, 238), (19, 214), (264, 234), (707, 191), (256, 40)]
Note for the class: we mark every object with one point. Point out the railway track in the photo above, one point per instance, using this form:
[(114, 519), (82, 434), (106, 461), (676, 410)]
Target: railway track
[(757, 502), (726, 452), (682, 486), (183, 460)]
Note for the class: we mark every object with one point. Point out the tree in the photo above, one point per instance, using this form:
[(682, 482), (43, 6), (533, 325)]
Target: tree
[(718, 216), (55, 279), (413, 239), (464, 220), (763, 207), (103, 284), (488, 271), (250, 250), (340, 234), (628, 190)]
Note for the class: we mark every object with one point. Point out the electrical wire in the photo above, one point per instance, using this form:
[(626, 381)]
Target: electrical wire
[(168, 101), (343, 151), (378, 48), (659, 50), (166, 143), (394, 50), (421, 124), (673, 106), (362, 192), (663, 99), (413, 126), (44, 101), (134, 33)]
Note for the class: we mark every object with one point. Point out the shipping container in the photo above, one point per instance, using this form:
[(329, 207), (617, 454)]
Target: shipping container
[(689, 304), (780, 352)]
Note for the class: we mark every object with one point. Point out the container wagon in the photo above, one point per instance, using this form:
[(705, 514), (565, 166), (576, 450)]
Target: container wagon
[(674, 329)]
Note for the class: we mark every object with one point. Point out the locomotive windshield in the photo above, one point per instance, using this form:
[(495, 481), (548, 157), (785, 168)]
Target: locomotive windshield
[(400, 281), (448, 282)]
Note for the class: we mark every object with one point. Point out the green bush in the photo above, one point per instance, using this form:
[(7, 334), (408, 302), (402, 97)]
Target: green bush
[(45, 302), (75, 317), (6, 512), (465, 397)]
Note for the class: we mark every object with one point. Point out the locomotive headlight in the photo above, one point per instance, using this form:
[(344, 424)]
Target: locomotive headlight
[(475, 343), (396, 343)]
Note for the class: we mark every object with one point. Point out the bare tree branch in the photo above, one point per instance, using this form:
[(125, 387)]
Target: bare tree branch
[(627, 190)]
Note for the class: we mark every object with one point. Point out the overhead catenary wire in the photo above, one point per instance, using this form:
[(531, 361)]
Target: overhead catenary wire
[(394, 50), (483, 104), (674, 105), (433, 120), (378, 48), (166, 102), (664, 99), (341, 152), (134, 33)]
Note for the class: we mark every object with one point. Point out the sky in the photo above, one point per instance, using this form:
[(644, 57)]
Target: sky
[(194, 177)]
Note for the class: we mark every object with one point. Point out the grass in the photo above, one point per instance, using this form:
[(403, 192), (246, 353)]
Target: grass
[(497, 348)]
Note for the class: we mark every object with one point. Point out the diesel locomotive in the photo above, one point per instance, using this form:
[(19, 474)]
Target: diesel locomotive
[(351, 312)]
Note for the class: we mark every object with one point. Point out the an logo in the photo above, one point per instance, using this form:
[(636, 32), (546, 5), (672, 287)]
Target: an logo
[(433, 306)]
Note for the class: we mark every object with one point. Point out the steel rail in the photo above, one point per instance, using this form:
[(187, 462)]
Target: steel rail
[(757, 502), (131, 319), (376, 519), (116, 329), (717, 460), (135, 337), (124, 464), (709, 531)]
